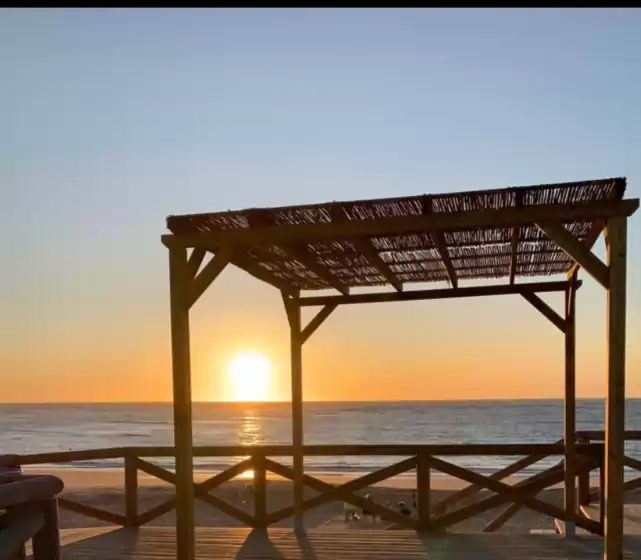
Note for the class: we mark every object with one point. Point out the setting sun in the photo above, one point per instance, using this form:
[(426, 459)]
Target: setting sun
[(249, 375)]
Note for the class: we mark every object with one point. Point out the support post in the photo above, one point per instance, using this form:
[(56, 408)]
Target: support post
[(131, 490), (296, 343), (616, 243), (423, 492), (569, 435), (260, 491), (46, 542), (584, 483), (180, 295)]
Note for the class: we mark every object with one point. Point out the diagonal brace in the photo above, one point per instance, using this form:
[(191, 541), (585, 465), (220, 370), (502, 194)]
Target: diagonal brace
[(344, 492), (578, 252), (514, 494), (317, 321), (195, 260), (210, 272), (545, 309)]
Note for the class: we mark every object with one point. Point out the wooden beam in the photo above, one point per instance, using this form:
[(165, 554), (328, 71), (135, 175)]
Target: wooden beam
[(364, 245), (305, 256), (545, 309), (195, 260), (131, 490), (439, 242), (469, 491), (298, 453), (254, 269), (577, 251), (372, 256), (288, 302), (616, 244), (307, 233), (518, 194), (180, 297), (260, 491), (445, 293), (514, 253), (210, 272), (316, 322), (423, 492), (344, 492), (569, 424), (90, 511), (591, 238)]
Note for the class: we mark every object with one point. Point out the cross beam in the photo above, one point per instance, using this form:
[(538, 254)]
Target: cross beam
[(477, 219), (445, 293)]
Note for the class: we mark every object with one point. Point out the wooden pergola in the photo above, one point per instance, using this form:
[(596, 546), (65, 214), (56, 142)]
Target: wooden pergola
[(502, 234)]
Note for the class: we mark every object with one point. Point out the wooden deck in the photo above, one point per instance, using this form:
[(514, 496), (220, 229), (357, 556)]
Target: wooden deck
[(156, 543)]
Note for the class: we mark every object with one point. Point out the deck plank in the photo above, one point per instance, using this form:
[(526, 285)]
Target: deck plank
[(158, 543)]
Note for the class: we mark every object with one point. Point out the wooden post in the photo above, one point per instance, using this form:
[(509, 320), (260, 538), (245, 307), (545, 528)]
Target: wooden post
[(569, 434), (131, 490), (423, 492), (46, 542), (584, 484), (260, 491), (616, 233), (297, 407), (180, 295)]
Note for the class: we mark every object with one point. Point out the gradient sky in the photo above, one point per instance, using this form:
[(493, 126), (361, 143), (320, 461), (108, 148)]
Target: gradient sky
[(113, 119)]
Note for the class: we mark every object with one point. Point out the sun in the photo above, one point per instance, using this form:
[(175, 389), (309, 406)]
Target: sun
[(249, 375)]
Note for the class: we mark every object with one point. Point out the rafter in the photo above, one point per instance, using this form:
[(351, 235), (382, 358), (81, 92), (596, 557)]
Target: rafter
[(516, 230), (365, 246), (577, 251), (596, 228), (374, 259), (302, 254), (439, 242)]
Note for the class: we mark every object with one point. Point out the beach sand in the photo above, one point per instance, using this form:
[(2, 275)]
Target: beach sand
[(104, 489)]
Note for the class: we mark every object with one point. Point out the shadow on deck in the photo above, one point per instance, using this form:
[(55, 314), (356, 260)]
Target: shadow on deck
[(284, 544)]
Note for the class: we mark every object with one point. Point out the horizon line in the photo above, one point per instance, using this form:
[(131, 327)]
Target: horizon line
[(406, 401)]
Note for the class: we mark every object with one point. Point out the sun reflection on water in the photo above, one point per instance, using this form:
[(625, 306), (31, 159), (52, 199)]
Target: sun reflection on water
[(250, 433)]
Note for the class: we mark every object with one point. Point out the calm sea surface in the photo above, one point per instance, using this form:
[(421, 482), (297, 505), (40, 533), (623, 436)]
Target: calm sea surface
[(40, 428)]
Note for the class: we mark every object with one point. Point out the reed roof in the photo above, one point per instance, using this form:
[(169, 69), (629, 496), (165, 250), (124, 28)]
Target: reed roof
[(423, 255)]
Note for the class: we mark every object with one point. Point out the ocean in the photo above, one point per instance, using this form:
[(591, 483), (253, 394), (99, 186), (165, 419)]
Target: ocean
[(37, 428)]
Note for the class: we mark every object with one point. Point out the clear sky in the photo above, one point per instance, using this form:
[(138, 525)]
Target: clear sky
[(113, 119)]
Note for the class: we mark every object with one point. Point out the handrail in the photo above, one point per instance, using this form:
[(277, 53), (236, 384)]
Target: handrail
[(451, 450), (31, 509), (422, 458)]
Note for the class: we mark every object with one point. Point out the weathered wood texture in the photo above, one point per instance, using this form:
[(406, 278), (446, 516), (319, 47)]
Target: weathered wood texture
[(154, 543), (182, 297), (616, 242)]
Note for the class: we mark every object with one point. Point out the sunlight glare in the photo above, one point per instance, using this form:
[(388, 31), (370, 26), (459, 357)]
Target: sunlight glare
[(249, 375)]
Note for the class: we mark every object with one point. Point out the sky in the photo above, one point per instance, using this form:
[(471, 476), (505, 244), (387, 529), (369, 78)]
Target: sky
[(114, 119)]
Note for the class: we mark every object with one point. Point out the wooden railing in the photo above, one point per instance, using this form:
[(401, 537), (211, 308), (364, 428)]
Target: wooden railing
[(424, 459), (28, 511), (587, 495)]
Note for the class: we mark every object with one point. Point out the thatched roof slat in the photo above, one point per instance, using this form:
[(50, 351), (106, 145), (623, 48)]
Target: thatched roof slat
[(412, 256)]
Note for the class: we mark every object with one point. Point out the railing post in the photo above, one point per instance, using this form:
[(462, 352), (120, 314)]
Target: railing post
[(131, 490), (584, 483), (602, 490), (260, 491), (46, 542), (423, 490)]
